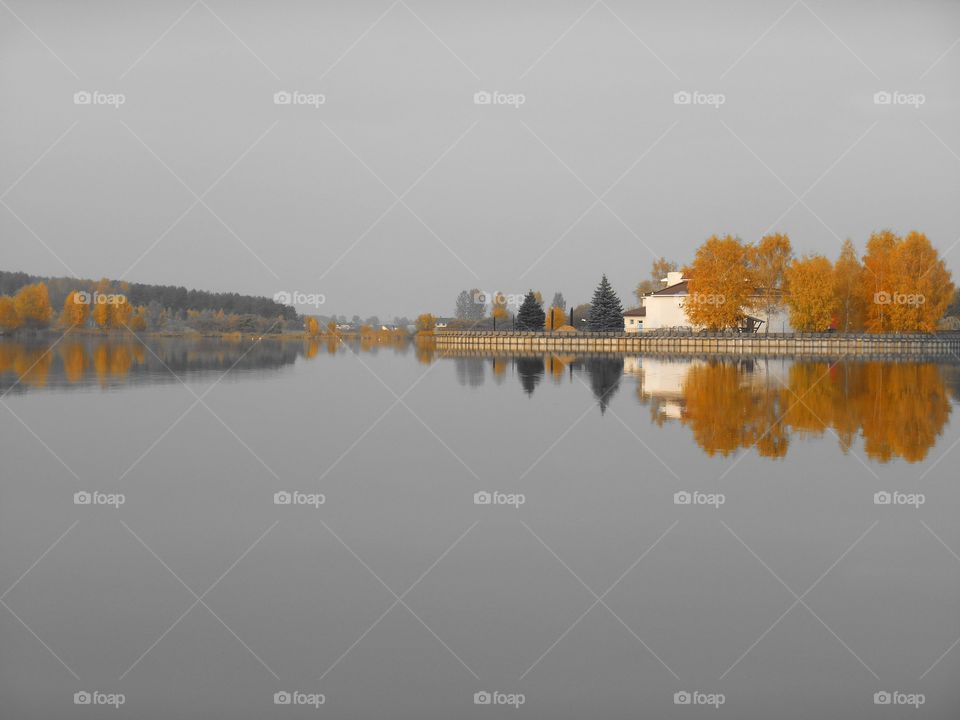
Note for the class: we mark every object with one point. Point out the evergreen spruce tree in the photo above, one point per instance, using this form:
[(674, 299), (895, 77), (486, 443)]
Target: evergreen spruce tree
[(606, 313), (531, 315), (464, 301)]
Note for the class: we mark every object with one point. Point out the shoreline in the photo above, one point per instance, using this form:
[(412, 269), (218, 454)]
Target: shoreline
[(772, 345)]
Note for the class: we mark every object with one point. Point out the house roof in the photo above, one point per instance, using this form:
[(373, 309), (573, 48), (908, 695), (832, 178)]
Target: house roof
[(636, 312), (679, 289)]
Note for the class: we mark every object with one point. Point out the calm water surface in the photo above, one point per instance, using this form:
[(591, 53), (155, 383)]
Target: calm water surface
[(782, 584)]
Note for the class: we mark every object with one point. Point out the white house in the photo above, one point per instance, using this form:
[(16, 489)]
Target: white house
[(664, 308)]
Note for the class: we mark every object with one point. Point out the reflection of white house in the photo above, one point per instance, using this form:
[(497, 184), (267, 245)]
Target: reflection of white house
[(663, 381), (664, 308)]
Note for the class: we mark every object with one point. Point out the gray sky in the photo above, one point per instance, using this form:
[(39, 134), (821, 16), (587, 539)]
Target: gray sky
[(304, 198)]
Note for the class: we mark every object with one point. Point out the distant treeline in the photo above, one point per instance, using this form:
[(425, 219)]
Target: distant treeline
[(177, 300)]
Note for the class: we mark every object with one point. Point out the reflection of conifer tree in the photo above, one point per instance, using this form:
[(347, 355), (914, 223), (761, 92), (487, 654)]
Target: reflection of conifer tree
[(605, 373), (531, 372)]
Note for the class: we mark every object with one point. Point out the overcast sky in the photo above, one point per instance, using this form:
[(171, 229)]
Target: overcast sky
[(399, 190)]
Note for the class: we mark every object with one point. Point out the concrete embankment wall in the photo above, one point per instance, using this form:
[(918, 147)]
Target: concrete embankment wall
[(945, 345)]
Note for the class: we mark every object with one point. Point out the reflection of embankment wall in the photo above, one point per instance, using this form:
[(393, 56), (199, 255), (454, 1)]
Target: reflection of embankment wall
[(775, 344)]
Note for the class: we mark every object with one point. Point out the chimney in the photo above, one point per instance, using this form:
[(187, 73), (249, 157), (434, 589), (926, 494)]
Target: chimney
[(672, 279)]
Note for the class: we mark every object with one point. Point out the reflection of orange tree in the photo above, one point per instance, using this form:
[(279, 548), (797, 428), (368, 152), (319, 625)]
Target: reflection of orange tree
[(898, 408), (426, 348), (558, 364), (32, 365), (74, 358), (725, 412), (905, 410), (499, 369)]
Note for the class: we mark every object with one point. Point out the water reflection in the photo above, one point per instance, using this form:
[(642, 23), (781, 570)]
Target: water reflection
[(113, 361), (897, 409)]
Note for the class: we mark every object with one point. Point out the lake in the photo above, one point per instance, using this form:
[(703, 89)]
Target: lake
[(375, 529)]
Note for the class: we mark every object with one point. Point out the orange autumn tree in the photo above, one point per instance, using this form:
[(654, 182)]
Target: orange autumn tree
[(32, 303), (9, 320), (906, 286), (921, 285), (426, 323), (811, 297), (138, 323), (847, 279), (769, 260), (312, 326), (101, 315), (720, 285), (658, 271), (556, 318), (120, 311), (76, 309), (498, 309), (877, 280)]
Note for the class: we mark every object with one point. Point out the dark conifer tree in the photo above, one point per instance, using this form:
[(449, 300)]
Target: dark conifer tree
[(531, 315), (606, 313)]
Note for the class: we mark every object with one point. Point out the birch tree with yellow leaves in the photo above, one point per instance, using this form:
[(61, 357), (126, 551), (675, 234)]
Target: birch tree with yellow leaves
[(721, 284), (812, 299)]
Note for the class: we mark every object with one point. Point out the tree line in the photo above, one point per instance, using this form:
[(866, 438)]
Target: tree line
[(605, 312), (172, 298), (106, 305), (900, 284)]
